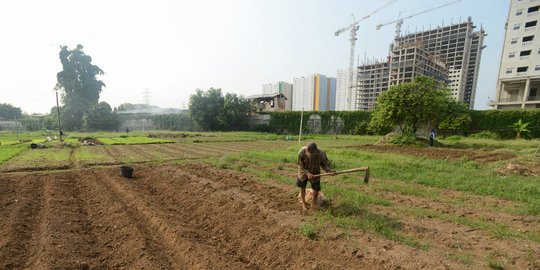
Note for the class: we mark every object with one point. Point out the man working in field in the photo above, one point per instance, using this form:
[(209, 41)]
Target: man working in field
[(310, 161)]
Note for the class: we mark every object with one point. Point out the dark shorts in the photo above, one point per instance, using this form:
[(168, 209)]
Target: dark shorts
[(315, 185)]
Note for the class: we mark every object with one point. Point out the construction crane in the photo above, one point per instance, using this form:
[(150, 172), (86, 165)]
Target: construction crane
[(399, 22), (354, 27)]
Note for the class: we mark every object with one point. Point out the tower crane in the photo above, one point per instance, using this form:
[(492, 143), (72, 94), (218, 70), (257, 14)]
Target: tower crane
[(354, 27), (399, 21)]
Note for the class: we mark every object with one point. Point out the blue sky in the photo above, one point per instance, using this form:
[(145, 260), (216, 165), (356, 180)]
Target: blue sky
[(175, 47)]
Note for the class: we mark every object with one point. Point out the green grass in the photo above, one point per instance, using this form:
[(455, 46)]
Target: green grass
[(461, 175), (465, 142), (307, 230), (9, 151), (407, 175)]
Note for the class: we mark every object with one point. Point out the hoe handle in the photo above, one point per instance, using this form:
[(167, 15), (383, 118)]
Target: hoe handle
[(344, 171)]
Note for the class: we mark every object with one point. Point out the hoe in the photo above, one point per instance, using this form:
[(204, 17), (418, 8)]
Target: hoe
[(366, 175)]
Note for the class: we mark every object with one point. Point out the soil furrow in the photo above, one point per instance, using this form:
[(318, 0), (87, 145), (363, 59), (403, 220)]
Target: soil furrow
[(122, 240), (193, 151), (63, 237), (169, 150), (152, 219), (17, 225), (112, 152)]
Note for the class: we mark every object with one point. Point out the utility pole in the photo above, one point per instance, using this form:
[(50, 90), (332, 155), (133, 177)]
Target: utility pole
[(59, 123), (301, 120)]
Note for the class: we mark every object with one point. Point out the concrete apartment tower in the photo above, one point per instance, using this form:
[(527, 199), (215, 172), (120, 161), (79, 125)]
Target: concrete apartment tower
[(314, 93), (458, 46), (345, 97), (284, 88), (518, 85), (448, 53)]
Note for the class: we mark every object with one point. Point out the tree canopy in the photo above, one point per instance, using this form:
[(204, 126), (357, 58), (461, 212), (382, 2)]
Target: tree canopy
[(9, 111), (79, 85), (406, 105), (101, 118), (213, 111)]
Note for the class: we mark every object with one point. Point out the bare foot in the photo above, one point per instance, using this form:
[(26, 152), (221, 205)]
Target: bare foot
[(315, 206), (303, 204)]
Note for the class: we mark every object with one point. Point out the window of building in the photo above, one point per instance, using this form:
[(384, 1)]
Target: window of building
[(533, 9), (537, 67), (519, 12), (508, 70), (516, 26), (528, 38), (525, 53), (514, 41), (522, 69), (512, 55), (530, 24)]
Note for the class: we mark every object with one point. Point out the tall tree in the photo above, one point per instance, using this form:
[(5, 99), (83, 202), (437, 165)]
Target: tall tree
[(212, 111), (101, 118), (9, 111), (79, 84), (234, 114), (205, 106), (406, 105)]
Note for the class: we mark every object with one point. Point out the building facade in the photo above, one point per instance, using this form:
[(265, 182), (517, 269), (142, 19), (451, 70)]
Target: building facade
[(411, 60), (268, 102), (345, 94), (518, 84), (314, 93), (406, 62), (372, 81), (459, 46), (284, 88)]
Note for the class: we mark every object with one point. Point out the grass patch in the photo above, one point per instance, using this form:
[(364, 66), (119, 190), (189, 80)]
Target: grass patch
[(9, 151), (464, 258), (308, 230)]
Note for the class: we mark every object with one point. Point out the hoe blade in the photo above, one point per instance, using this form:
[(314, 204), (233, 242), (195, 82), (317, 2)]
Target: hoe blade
[(366, 176)]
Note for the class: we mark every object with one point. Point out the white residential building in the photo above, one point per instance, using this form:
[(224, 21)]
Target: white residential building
[(303, 94), (314, 93), (518, 85), (345, 95)]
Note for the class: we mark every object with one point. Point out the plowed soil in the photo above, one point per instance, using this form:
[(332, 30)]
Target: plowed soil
[(440, 153), (196, 216)]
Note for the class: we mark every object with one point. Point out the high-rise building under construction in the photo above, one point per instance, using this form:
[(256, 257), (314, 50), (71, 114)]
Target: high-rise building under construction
[(459, 46), (451, 53)]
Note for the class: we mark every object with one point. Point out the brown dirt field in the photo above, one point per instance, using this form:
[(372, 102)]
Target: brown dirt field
[(195, 216), (439, 153)]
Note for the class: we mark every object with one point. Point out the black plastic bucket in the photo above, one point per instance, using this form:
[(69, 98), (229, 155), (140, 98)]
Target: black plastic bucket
[(126, 171)]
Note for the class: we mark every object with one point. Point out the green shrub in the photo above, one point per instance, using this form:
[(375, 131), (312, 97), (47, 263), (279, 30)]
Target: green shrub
[(499, 121), (405, 140)]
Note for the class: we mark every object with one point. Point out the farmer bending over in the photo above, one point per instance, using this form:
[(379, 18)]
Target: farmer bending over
[(310, 161)]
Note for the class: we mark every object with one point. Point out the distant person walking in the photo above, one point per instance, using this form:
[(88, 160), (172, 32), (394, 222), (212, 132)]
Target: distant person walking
[(432, 137), (310, 161)]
